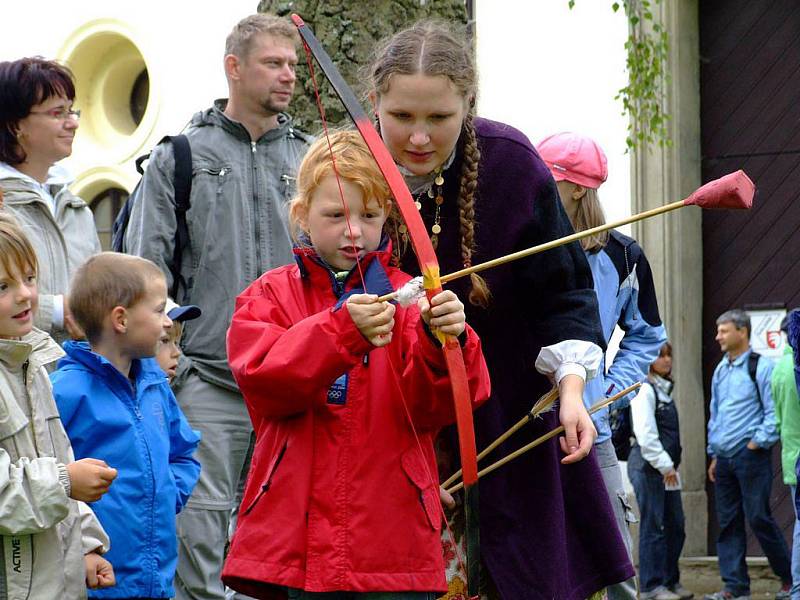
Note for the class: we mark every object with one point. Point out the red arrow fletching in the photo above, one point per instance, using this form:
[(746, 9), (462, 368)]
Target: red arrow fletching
[(734, 190)]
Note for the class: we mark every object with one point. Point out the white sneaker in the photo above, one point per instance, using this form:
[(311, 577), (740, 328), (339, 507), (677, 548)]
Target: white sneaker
[(682, 591), (659, 593), (725, 595)]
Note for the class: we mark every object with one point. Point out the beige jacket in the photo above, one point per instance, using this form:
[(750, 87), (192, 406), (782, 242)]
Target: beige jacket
[(44, 533), (63, 240)]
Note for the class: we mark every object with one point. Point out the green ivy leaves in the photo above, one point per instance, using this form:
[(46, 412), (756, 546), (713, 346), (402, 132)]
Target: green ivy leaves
[(642, 99)]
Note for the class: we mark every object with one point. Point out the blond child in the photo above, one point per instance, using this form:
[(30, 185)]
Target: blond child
[(116, 404), (51, 543), (169, 353)]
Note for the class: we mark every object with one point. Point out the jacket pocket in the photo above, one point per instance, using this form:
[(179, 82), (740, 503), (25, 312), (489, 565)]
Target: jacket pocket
[(282, 444), (211, 180), (288, 186), (12, 422), (420, 475), (59, 442), (214, 173), (206, 215), (627, 509)]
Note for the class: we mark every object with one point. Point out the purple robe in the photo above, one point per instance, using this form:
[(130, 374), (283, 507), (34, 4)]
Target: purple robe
[(547, 530)]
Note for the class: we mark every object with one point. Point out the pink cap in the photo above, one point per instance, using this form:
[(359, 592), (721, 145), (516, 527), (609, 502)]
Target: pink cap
[(573, 157)]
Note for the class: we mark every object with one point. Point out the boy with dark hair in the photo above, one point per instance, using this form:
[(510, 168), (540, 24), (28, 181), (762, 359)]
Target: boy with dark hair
[(116, 405)]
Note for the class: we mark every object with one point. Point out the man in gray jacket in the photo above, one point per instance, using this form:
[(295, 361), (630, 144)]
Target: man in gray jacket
[(245, 155)]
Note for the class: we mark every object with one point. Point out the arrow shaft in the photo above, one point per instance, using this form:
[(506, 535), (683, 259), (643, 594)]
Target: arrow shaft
[(543, 438)]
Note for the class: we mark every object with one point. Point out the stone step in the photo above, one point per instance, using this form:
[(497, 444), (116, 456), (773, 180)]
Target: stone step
[(700, 574)]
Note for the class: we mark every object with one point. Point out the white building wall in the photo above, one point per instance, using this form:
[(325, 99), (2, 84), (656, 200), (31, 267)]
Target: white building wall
[(544, 68)]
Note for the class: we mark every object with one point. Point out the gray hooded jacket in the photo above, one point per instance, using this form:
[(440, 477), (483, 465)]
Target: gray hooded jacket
[(62, 241), (238, 226), (43, 533)]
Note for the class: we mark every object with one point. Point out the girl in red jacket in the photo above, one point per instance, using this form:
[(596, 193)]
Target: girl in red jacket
[(346, 394)]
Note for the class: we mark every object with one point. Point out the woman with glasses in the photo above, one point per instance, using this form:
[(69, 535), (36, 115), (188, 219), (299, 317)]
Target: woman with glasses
[(37, 127)]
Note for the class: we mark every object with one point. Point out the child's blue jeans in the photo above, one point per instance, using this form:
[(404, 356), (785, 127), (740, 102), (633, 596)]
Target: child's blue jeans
[(661, 529)]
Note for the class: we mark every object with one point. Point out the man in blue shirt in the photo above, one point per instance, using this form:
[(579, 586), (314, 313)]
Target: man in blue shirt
[(741, 431)]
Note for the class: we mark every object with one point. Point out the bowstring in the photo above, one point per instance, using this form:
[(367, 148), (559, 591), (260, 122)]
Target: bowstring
[(321, 109), (459, 558), (392, 370)]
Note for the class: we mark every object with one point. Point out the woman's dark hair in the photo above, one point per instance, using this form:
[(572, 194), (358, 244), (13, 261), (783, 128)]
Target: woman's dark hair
[(24, 83), (666, 350)]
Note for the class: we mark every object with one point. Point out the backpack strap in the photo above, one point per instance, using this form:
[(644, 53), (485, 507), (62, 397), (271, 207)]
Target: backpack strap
[(182, 183), (752, 368), (123, 218)]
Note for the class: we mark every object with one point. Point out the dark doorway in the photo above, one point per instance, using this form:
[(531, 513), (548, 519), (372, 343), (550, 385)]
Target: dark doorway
[(750, 119)]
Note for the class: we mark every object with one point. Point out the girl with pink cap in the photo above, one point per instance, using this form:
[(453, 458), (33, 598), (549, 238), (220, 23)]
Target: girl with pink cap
[(626, 298)]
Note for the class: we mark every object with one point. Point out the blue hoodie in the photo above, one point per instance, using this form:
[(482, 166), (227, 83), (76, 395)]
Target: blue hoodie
[(144, 435), (626, 297), (794, 342)]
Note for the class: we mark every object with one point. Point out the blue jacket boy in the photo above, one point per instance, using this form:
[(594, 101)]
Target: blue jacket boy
[(141, 431)]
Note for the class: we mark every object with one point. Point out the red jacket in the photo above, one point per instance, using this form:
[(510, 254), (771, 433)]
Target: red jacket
[(340, 495)]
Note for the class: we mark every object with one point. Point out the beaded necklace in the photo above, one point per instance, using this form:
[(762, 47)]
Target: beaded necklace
[(435, 193)]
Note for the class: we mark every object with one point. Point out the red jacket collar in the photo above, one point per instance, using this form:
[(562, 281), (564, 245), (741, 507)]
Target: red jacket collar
[(374, 266)]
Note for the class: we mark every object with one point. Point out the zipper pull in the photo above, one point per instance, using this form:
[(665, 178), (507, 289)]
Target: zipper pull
[(253, 147)]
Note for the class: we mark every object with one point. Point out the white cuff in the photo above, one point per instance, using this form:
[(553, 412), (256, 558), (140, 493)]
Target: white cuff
[(64, 478), (570, 368), (58, 311), (576, 357), (667, 466)]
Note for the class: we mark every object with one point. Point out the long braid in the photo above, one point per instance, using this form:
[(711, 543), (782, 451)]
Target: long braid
[(479, 295)]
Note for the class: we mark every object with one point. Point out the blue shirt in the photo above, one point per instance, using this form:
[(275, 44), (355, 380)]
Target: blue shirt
[(739, 412), (626, 297)]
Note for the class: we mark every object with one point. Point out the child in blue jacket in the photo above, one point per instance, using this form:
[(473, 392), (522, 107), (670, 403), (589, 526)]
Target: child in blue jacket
[(116, 405)]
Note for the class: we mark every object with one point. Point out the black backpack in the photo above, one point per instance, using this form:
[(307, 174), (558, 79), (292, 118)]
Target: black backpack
[(182, 183), (621, 431), (752, 367)]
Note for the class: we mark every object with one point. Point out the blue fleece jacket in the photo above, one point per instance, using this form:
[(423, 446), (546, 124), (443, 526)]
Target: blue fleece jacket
[(626, 297), (140, 431), (739, 412)]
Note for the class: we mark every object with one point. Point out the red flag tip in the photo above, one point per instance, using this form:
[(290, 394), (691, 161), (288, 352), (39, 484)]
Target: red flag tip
[(734, 190)]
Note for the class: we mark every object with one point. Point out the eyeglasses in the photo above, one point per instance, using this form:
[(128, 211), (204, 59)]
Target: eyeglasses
[(62, 114)]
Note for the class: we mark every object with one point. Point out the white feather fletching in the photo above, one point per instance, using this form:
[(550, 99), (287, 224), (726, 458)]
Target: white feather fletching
[(409, 293)]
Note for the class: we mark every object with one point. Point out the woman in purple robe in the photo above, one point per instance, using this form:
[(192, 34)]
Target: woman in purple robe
[(547, 529)]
